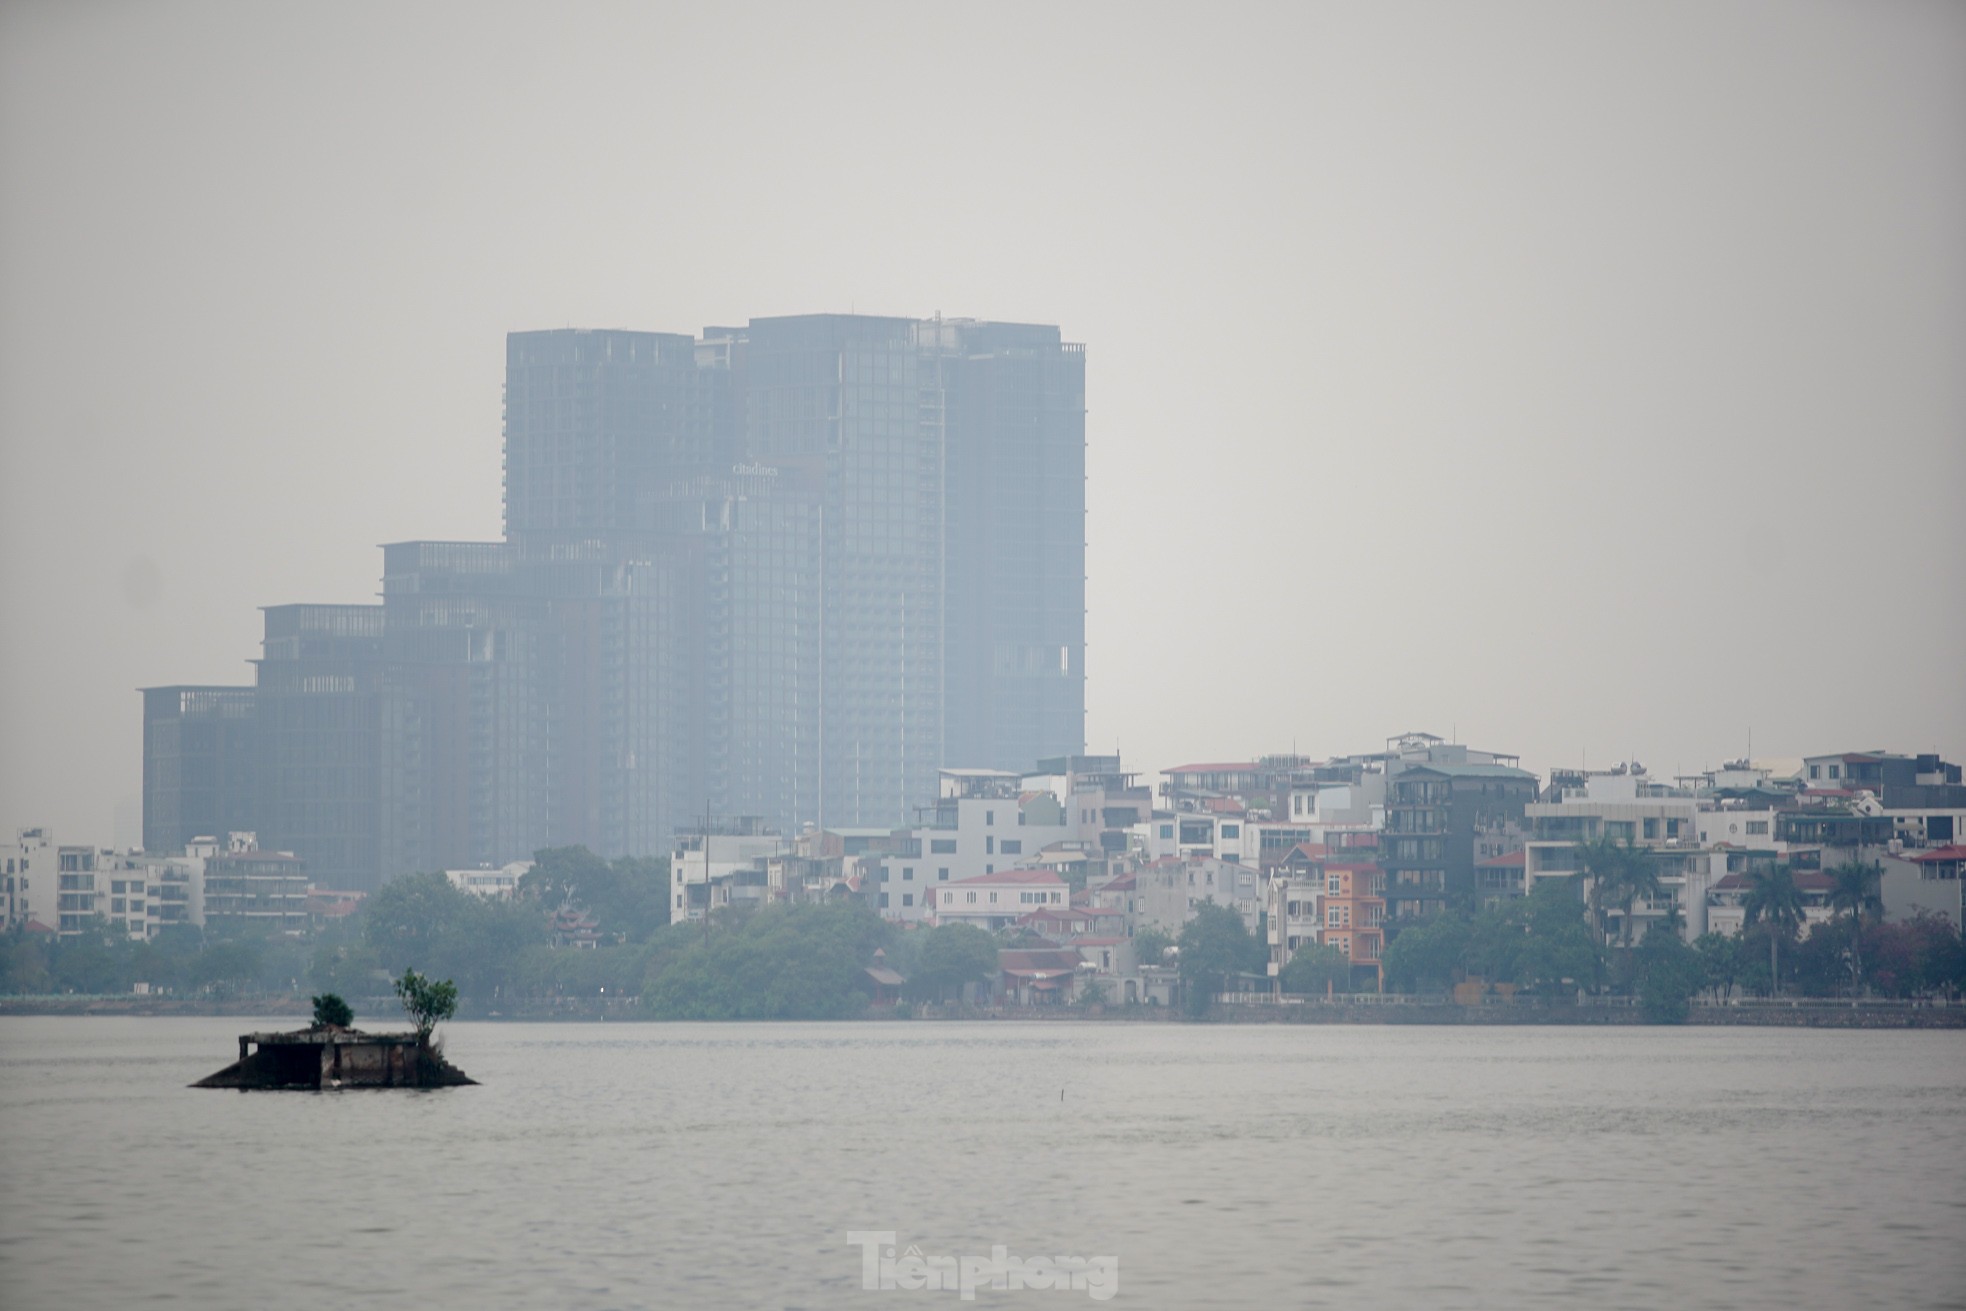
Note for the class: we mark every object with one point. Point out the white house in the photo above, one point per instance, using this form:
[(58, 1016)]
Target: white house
[(983, 821), (500, 884), (995, 900)]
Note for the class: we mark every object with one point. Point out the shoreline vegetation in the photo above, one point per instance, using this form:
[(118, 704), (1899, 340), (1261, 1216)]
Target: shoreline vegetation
[(1803, 1012), (590, 939)]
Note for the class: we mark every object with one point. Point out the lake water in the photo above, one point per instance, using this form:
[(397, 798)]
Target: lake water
[(713, 1165)]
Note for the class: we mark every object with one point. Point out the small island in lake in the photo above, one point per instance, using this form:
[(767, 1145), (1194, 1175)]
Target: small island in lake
[(333, 1054)]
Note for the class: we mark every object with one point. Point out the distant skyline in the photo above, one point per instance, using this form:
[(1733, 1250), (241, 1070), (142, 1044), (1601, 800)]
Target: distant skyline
[(1578, 382)]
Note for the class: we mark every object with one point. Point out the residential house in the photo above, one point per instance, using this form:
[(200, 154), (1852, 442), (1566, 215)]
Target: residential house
[(998, 899)]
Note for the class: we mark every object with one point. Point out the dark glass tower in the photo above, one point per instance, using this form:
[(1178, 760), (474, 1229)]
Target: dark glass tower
[(787, 570), (199, 764), (319, 719)]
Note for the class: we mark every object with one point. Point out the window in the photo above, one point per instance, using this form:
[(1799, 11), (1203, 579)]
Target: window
[(1232, 830), (972, 898), (907, 898), (1167, 830), (1652, 830), (1013, 846), (1815, 771), (1757, 828), (942, 874), (941, 846), (990, 817), (993, 898), (1332, 884), (1836, 771), (989, 846), (908, 874), (883, 901), (1672, 827)]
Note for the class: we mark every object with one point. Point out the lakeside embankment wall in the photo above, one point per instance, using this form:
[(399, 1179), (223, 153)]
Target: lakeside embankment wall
[(1823, 1014)]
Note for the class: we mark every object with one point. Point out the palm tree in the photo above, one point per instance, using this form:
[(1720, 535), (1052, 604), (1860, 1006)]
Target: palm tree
[(1636, 877), (1600, 859), (1853, 887), (1620, 873), (1773, 896)]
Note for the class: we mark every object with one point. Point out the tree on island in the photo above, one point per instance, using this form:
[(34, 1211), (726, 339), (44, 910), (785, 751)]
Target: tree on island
[(428, 1002), (330, 1011)]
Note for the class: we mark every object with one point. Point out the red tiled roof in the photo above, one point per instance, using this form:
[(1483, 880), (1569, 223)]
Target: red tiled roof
[(1124, 883), (1044, 876), (1508, 860), (1943, 853), (1067, 913), (1224, 806), (1806, 880)]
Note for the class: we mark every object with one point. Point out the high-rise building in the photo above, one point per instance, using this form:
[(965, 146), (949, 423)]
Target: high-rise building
[(199, 764), (600, 424), (789, 570), (317, 708), (952, 555)]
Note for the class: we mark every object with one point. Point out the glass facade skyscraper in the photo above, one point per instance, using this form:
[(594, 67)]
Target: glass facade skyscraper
[(787, 570)]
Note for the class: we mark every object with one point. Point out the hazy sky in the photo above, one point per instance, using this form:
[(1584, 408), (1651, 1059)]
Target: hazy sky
[(1579, 379)]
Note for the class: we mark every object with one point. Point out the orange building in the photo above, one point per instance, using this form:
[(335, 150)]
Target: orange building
[(1355, 914)]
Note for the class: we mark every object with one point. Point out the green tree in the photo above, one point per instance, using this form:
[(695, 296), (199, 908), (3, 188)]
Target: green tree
[(422, 920), (331, 1010), (427, 1002), (1775, 901), (24, 962), (1720, 961), (350, 968), (1433, 951), (1150, 946), (776, 963), (1854, 891), (1601, 859), (1669, 973), (629, 897), (1215, 944), (1314, 969), (1620, 873), (1558, 953), (951, 956), (225, 968)]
